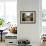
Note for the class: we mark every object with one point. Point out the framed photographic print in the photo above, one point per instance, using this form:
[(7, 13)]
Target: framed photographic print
[(27, 17)]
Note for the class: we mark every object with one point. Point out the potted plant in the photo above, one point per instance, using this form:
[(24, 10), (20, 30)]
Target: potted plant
[(1, 22)]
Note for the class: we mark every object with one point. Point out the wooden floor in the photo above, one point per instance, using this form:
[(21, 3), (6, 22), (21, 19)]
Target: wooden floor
[(2, 43), (43, 44)]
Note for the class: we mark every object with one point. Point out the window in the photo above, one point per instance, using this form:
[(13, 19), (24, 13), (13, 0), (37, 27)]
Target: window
[(44, 12), (44, 16), (11, 11), (8, 10), (1, 8)]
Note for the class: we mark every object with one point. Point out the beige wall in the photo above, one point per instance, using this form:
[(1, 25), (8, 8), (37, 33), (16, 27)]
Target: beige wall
[(30, 31)]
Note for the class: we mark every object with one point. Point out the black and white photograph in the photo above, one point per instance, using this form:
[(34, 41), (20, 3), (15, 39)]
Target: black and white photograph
[(27, 17)]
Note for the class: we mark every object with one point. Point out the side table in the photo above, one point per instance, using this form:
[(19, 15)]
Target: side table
[(1, 34)]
